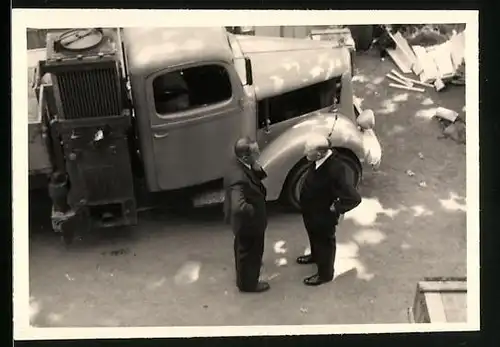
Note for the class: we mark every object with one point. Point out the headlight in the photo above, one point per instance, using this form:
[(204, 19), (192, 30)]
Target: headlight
[(350, 42), (366, 119)]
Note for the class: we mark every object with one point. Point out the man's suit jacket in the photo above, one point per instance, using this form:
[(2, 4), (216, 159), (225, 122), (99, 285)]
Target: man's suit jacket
[(245, 199), (327, 185)]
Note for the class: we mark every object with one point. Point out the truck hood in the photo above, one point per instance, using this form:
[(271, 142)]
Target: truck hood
[(280, 65), (261, 44)]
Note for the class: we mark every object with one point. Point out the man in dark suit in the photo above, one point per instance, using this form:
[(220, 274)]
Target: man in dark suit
[(245, 210), (327, 194)]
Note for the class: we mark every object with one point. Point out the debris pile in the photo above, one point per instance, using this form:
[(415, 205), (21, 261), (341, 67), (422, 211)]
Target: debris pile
[(452, 124), (436, 65)]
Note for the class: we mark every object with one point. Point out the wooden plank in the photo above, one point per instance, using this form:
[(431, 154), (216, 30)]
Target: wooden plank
[(397, 74), (400, 59), (402, 44), (455, 305), (442, 286), (439, 84), (441, 54), (435, 307), (430, 72), (394, 85), (420, 314), (440, 299), (417, 68), (399, 80), (457, 43), (445, 279)]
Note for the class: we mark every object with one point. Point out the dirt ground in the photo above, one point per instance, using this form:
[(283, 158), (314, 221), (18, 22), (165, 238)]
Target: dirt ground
[(174, 270)]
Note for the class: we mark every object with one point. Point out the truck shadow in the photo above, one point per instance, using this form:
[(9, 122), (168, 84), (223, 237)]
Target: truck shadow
[(166, 216)]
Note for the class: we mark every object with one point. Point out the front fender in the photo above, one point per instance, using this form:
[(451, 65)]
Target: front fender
[(280, 156)]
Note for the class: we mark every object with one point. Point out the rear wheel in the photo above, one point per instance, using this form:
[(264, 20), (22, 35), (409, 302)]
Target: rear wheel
[(296, 179)]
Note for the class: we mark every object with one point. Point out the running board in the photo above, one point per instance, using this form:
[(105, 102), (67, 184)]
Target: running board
[(208, 198)]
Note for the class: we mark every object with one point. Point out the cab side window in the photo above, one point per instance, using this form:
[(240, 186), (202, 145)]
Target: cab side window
[(190, 88), (298, 102)]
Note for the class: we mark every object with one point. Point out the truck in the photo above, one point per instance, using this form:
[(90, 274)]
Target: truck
[(121, 116)]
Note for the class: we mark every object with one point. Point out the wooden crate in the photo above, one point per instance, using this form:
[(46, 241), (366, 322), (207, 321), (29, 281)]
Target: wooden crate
[(440, 300)]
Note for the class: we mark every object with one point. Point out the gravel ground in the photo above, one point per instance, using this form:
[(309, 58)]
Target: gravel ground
[(178, 270)]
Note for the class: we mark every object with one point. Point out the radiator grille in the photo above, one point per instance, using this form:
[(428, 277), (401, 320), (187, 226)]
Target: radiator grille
[(102, 184), (89, 93)]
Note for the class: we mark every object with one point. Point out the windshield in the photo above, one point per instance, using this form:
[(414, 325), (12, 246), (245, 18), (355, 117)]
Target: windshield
[(239, 58)]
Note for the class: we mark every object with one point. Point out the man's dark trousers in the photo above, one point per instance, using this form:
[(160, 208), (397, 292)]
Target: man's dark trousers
[(245, 209), (321, 234), (323, 187)]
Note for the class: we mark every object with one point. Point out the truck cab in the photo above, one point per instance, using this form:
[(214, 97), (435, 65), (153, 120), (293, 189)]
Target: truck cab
[(189, 103)]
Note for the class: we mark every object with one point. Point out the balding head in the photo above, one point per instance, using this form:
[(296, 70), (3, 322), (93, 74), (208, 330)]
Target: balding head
[(316, 147), (246, 150)]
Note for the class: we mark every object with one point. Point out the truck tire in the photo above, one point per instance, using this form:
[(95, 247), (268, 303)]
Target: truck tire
[(296, 179), (362, 36), (67, 238)]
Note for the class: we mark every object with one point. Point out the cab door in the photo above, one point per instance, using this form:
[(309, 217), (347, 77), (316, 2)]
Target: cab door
[(195, 118)]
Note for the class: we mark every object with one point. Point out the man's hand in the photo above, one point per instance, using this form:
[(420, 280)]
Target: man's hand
[(250, 210)]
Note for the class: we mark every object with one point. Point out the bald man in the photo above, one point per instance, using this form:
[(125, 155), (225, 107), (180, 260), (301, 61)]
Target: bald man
[(327, 193), (245, 209)]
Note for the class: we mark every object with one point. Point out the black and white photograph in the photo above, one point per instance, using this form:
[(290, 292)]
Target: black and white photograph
[(307, 172)]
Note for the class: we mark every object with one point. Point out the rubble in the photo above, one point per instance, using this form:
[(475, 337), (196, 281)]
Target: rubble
[(436, 65), (459, 78), (447, 114), (439, 84), (453, 124), (456, 132)]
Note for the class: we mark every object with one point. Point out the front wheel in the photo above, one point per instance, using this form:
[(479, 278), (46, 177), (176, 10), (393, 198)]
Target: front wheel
[(298, 175)]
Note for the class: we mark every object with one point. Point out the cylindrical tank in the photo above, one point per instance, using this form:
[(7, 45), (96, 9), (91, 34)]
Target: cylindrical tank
[(58, 192)]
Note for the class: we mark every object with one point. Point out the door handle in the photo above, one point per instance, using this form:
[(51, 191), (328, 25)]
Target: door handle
[(267, 126), (160, 136)]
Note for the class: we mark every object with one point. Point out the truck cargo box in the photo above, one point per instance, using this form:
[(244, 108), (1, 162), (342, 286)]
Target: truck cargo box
[(440, 300), (39, 160)]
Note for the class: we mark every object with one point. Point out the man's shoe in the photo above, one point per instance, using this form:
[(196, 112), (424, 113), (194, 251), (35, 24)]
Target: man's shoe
[(305, 259), (259, 288), (316, 280)]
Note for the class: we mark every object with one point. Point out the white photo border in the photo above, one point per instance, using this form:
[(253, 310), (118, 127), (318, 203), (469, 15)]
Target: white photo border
[(64, 18)]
